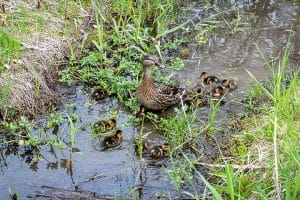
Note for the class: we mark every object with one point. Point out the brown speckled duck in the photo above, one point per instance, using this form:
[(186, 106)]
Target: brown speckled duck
[(155, 95)]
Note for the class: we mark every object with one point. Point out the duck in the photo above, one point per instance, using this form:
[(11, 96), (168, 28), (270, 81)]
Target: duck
[(112, 141), (155, 95), (145, 145), (208, 80), (160, 151), (99, 94), (231, 85), (105, 125)]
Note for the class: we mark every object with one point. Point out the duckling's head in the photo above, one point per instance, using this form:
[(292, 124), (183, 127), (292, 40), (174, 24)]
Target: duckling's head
[(225, 83), (119, 134), (151, 60), (112, 122), (203, 75), (165, 147)]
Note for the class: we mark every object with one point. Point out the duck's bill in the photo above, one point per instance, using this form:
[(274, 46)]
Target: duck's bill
[(155, 60)]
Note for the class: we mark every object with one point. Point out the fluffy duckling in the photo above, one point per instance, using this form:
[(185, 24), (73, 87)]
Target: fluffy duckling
[(99, 94), (208, 80), (113, 141), (141, 113), (160, 151), (104, 125), (145, 146), (218, 91), (229, 84)]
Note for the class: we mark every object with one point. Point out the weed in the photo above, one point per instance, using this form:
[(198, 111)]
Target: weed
[(55, 120)]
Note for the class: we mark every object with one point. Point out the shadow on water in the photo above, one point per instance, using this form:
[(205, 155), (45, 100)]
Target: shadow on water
[(87, 172)]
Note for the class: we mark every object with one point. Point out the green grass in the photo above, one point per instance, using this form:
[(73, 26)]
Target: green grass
[(10, 49)]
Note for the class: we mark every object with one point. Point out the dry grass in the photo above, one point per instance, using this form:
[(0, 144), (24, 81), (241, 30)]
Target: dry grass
[(32, 81)]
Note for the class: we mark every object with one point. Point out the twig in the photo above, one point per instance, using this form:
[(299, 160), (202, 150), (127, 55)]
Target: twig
[(33, 47), (91, 178)]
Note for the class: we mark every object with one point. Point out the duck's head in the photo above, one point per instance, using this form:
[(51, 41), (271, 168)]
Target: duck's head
[(151, 60), (112, 122), (119, 134), (203, 75), (165, 147)]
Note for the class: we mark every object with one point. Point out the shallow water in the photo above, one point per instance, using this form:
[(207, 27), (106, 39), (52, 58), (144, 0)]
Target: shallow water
[(228, 56)]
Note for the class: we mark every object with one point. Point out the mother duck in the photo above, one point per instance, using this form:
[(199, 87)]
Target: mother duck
[(156, 95)]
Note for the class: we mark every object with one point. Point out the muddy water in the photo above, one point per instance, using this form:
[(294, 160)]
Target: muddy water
[(113, 174)]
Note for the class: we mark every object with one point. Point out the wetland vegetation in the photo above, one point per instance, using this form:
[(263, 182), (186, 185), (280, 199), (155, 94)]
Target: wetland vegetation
[(71, 126)]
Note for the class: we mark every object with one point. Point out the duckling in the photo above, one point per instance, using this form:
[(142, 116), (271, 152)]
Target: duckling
[(113, 141), (229, 84), (145, 146), (141, 113), (155, 95), (218, 91), (208, 80), (99, 94), (104, 125), (160, 151)]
